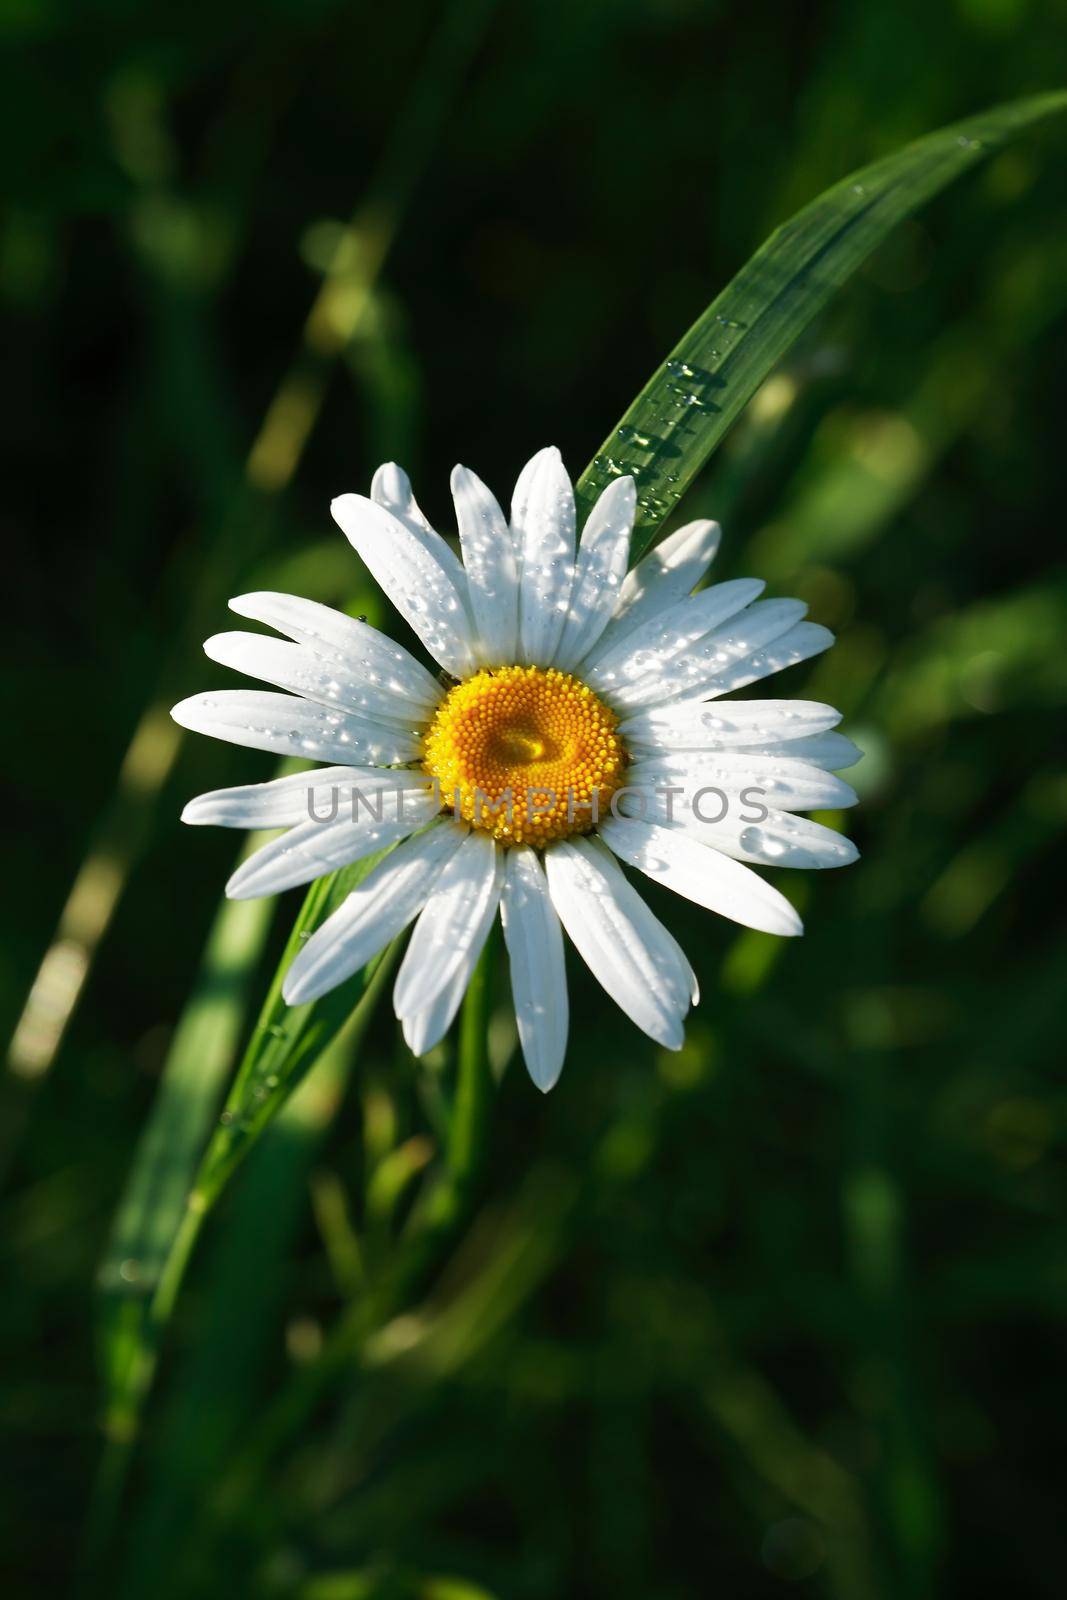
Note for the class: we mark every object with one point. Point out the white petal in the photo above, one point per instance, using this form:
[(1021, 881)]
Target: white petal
[(665, 575), (391, 489), (661, 640), (355, 645), (538, 975), (376, 911), (600, 572), (701, 874), (834, 751), (779, 779), (320, 678), (312, 849), (694, 724), (625, 947), (456, 917), (778, 840), (544, 531), (803, 641), (520, 500), (491, 568), (421, 576), (423, 1029), (285, 801), (427, 1027), (705, 663), (288, 726)]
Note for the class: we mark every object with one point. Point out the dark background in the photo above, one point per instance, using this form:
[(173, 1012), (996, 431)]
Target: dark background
[(781, 1314)]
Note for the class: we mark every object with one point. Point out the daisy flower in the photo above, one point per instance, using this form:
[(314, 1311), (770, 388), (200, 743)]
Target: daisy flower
[(578, 720)]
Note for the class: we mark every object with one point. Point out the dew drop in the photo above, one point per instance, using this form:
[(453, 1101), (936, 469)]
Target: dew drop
[(634, 436), (687, 398)]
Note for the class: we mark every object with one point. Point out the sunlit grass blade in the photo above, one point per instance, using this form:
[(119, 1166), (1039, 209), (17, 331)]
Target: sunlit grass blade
[(692, 400), (287, 1040)]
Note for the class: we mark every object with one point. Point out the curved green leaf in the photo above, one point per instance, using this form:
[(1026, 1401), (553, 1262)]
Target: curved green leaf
[(691, 401), (192, 1084), (287, 1040)]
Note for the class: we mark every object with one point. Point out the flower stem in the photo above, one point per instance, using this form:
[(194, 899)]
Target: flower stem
[(474, 1081)]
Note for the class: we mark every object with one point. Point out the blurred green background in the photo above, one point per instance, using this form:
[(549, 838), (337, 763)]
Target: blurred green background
[(781, 1314)]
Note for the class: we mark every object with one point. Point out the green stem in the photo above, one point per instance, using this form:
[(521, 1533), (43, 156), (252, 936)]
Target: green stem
[(465, 1156), (474, 1081)]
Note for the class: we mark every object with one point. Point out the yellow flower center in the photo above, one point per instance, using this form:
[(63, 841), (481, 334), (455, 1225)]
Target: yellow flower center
[(527, 753)]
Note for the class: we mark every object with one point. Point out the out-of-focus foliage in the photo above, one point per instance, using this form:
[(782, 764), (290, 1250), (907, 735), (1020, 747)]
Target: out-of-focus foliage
[(772, 1315)]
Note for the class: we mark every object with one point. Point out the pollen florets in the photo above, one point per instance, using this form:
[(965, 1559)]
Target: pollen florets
[(529, 754)]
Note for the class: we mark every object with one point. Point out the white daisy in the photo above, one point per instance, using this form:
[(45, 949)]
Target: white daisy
[(571, 727)]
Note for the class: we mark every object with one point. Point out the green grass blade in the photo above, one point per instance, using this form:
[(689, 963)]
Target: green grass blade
[(170, 1149), (286, 1042), (691, 401)]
